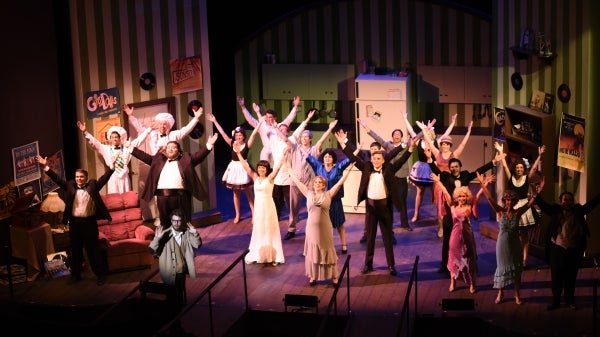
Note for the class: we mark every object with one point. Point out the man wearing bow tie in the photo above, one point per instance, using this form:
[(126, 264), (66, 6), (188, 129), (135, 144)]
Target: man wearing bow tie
[(113, 152), (172, 178), (83, 207), (376, 188)]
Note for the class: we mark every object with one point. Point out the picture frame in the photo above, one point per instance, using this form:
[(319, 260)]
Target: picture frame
[(548, 106), (527, 39), (537, 100)]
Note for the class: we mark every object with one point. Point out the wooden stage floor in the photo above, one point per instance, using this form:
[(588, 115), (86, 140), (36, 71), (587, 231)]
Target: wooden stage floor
[(375, 298)]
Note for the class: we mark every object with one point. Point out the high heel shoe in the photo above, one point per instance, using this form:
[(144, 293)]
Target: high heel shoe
[(518, 300), (344, 249), (472, 289), (236, 220), (499, 298), (312, 283), (452, 285)]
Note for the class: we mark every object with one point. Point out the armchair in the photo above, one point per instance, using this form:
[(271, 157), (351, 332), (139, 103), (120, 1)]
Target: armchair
[(126, 238)]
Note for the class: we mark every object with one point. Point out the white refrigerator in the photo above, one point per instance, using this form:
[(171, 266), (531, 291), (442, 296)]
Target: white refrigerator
[(380, 101)]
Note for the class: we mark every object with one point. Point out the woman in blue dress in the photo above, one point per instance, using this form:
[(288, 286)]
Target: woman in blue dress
[(509, 254), (333, 171)]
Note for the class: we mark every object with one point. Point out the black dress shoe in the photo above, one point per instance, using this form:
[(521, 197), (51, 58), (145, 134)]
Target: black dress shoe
[(366, 270), (363, 239), (312, 283), (289, 235), (392, 271), (407, 228)]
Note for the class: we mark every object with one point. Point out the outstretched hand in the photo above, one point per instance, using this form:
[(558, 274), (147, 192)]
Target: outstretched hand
[(213, 139), (198, 112), (41, 160), (128, 110), (81, 126)]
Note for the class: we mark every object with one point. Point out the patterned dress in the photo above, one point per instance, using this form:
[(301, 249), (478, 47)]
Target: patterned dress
[(265, 242), (319, 251), (235, 176), (462, 255), (509, 254)]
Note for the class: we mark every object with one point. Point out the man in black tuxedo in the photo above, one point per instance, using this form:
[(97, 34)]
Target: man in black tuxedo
[(455, 178), (376, 188), (83, 207)]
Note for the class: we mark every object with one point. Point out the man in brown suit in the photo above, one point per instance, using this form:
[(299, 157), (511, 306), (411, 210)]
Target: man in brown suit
[(172, 178)]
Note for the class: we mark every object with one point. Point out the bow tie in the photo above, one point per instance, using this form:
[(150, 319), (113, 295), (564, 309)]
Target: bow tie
[(163, 135), (81, 187), (117, 147), (376, 171), (170, 160)]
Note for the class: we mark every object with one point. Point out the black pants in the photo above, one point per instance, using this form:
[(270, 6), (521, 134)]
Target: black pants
[(379, 212), (281, 196), (168, 203), (83, 233), (399, 199), (564, 265)]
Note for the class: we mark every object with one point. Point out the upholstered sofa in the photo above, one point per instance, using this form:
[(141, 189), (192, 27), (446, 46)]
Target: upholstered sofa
[(125, 238)]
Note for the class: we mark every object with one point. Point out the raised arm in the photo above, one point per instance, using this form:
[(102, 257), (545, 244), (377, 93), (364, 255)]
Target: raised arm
[(409, 127), (137, 125), (278, 164), (451, 126), (447, 196), (335, 188), (243, 161), (255, 131), (301, 186), (428, 140), (385, 144), (247, 115), (211, 117), (500, 149), (535, 165), (497, 208), (292, 115), (531, 197), (459, 149), (319, 144)]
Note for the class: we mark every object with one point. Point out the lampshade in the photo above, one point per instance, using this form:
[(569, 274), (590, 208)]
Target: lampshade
[(53, 203)]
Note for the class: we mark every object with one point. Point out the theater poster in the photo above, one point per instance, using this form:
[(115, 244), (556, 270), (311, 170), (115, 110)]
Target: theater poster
[(570, 143), (186, 74), (25, 165)]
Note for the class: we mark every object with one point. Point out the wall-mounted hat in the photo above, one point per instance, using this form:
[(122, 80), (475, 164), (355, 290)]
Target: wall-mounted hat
[(192, 106), (445, 139), (147, 81), (117, 129)]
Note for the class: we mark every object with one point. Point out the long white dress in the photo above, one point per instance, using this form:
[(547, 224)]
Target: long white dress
[(265, 242)]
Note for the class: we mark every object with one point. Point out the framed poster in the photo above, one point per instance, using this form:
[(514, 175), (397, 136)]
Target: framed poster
[(25, 166), (57, 164)]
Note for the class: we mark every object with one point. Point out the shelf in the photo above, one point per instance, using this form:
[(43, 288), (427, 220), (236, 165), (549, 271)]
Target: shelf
[(524, 53)]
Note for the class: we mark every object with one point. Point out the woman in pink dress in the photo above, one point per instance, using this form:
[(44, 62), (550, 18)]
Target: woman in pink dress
[(462, 255)]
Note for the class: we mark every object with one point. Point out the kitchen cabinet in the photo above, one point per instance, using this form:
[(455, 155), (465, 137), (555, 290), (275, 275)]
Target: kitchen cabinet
[(327, 82), (443, 84)]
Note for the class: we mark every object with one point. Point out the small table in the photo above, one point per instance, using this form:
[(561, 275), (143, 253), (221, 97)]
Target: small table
[(33, 245)]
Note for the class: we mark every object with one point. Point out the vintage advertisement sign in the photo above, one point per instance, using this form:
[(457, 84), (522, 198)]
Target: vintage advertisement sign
[(570, 143), (186, 74), (25, 166), (102, 103)]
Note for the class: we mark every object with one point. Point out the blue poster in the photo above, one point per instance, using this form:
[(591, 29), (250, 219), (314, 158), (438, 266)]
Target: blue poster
[(102, 103), (25, 165)]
